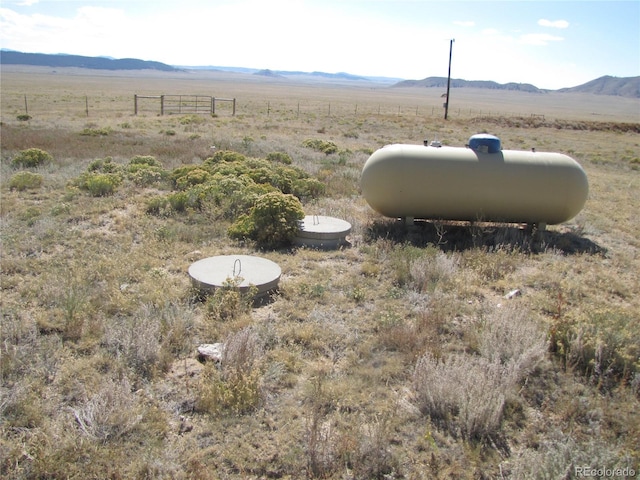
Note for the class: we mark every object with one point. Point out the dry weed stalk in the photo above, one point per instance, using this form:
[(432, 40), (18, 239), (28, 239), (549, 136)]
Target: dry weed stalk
[(110, 413), (466, 393), (461, 393)]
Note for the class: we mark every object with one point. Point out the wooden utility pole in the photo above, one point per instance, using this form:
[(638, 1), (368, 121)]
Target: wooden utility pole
[(446, 105)]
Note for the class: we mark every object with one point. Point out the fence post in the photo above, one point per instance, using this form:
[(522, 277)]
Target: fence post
[(26, 108), (135, 104), (213, 105), (161, 105), (234, 106)]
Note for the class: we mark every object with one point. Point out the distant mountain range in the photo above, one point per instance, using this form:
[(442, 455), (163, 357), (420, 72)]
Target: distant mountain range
[(297, 74), (623, 87), (441, 82), (9, 57), (628, 87), (619, 86), (334, 76)]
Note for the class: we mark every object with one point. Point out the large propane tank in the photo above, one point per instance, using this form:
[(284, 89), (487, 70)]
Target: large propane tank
[(480, 182)]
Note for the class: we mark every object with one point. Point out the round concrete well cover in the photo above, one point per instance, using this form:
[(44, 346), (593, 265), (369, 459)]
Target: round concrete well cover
[(242, 271), (322, 231)]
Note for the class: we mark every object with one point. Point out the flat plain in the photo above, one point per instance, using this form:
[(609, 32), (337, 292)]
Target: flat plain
[(406, 354)]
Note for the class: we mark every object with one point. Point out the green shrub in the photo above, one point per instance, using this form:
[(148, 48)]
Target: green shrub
[(229, 185), (236, 202), (283, 178), (145, 160), (323, 146), (30, 215), (228, 196), (157, 206), (145, 175), (60, 209), (95, 132), (104, 165), (25, 181), (604, 345), (231, 168), (31, 157), (192, 120), (224, 156), (24, 117), (308, 188), (228, 302), (235, 391), (190, 177), (272, 221), (179, 172), (235, 387), (273, 171), (101, 184), (279, 157), (178, 201)]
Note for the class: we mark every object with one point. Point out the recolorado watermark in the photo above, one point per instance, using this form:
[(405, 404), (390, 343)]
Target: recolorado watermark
[(584, 471)]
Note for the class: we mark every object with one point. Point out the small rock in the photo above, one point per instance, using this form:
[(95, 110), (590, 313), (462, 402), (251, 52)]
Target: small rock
[(513, 293), (193, 255), (185, 425), (211, 352)]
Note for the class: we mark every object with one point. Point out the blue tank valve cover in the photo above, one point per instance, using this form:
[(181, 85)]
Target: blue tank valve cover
[(485, 143)]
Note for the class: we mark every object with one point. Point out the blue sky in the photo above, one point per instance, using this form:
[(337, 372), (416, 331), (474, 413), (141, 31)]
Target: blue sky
[(551, 44)]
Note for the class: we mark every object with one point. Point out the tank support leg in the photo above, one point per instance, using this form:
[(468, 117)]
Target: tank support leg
[(408, 221), (539, 231), (536, 230)]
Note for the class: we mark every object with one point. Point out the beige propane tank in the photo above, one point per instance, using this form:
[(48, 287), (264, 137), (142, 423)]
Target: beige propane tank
[(481, 182)]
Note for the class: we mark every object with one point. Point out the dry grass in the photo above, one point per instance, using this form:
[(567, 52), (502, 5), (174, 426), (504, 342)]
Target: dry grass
[(398, 357)]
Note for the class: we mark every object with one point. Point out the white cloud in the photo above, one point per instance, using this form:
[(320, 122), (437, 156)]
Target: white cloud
[(539, 39), (464, 23), (91, 30), (543, 22), (27, 3)]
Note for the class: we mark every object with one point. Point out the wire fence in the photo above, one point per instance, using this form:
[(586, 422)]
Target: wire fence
[(281, 109)]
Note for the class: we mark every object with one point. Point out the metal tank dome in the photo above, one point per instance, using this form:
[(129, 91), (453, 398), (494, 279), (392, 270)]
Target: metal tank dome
[(485, 143)]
